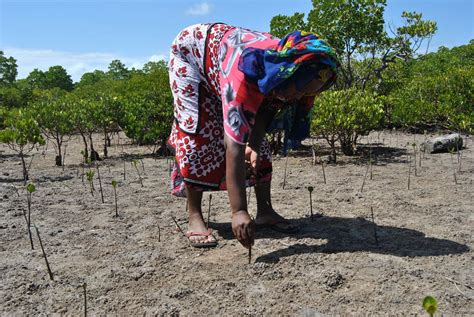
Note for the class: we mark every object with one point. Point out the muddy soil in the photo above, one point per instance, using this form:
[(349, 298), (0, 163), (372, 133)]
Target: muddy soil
[(139, 263)]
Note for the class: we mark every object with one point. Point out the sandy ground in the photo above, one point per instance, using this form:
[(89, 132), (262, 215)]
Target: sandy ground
[(331, 266)]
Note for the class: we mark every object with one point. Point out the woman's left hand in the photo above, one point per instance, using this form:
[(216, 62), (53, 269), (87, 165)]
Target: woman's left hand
[(252, 160)]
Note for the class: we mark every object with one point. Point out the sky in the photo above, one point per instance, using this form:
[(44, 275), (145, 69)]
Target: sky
[(84, 35)]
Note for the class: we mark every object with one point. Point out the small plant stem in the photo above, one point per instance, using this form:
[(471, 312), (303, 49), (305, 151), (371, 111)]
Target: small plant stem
[(116, 206), (44, 254), (84, 288), (177, 226), (124, 171), (284, 175), (365, 177), (159, 234), (311, 205), (209, 211), (100, 183), (250, 254), (454, 169), (409, 171), (138, 172), (28, 219), (64, 156), (143, 166), (91, 185), (370, 162), (314, 154), (374, 226), (324, 173), (414, 159)]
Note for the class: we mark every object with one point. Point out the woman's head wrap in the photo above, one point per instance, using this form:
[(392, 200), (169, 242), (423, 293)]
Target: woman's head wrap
[(271, 67)]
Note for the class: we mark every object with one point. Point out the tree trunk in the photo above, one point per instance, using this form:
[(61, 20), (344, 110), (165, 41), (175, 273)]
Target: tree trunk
[(59, 157), (94, 155), (25, 170), (86, 150), (106, 142)]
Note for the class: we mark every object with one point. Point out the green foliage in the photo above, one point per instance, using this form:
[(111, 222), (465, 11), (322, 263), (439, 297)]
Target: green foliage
[(90, 175), (118, 71), (438, 90), (344, 115), (8, 70), (31, 188), (430, 305), (281, 25), (22, 131), (54, 77), (114, 183)]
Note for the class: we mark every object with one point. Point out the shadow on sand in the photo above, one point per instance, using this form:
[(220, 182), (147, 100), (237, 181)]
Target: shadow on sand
[(352, 235)]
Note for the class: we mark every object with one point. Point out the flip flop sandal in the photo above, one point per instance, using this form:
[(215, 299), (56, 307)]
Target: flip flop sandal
[(277, 226), (209, 244)]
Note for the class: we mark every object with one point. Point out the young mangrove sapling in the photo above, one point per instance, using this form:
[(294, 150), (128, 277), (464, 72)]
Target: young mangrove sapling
[(100, 182), (44, 255), (430, 305), (30, 189), (310, 189), (114, 185), (90, 179), (134, 163)]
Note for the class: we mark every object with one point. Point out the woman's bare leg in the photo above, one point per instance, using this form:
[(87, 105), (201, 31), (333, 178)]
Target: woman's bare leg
[(196, 221), (265, 212)]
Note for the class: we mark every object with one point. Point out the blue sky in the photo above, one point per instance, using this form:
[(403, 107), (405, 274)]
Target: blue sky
[(83, 35)]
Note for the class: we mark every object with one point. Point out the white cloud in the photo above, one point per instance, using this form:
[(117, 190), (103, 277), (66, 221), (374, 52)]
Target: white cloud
[(76, 64), (199, 9)]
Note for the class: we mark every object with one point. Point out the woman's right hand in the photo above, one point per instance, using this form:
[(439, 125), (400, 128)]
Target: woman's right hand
[(243, 228)]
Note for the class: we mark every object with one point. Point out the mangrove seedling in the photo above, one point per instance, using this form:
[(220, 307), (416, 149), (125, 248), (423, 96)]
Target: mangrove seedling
[(451, 152), (84, 288), (374, 225), (90, 179), (30, 189), (134, 163), (414, 156), (430, 305), (310, 189), (178, 226), (44, 255), (409, 171), (209, 212), (114, 185), (159, 234), (322, 166), (100, 183), (124, 171), (284, 175), (143, 166), (365, 177)]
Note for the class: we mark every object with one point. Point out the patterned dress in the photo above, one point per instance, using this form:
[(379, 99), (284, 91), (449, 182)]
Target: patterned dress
[(212, 97)]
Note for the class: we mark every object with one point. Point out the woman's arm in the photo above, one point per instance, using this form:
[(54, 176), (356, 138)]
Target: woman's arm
[(242, 225)]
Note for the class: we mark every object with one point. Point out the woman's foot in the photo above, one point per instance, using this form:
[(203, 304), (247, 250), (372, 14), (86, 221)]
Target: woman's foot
[(198, 234), (269, 218)]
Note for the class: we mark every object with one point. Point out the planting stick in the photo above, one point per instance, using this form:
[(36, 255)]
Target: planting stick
[(375, 226), (414, 157), (28, 219), (370, 162), (409, 171), (100, 183), (159, 234), (310, 189), (284, 176), (365, 176), (209, 212), (250, 254), (84, 287), (324, 173), (114, 185), (64, 156), (44, 254), (124, 171), (454, 169), (177, 226)]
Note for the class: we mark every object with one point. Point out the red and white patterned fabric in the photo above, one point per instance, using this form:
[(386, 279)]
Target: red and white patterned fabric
[(199, 85)]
